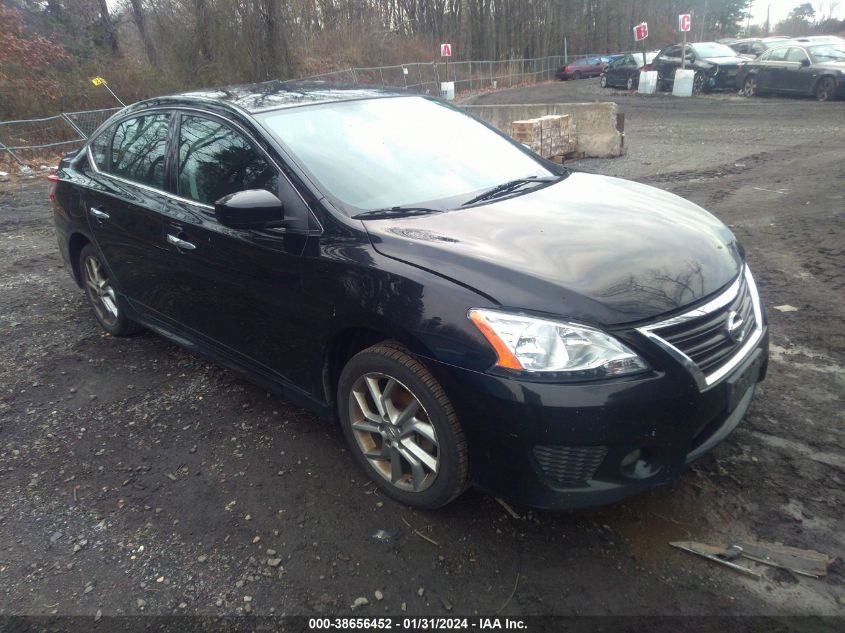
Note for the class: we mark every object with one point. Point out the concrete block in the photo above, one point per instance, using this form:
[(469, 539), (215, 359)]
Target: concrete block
[(682, 86), (597, 135), (648, 82)]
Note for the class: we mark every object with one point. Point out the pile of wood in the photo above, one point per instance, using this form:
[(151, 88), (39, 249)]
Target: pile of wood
[(549, 136)]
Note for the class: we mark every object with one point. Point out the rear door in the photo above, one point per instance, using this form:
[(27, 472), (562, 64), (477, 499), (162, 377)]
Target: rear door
[(769, 67), (125, 198), (666, 63), (242, 291)]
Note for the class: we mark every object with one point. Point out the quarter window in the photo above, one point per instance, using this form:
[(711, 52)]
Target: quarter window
[(100, 147), (139, 148), (215, 161)]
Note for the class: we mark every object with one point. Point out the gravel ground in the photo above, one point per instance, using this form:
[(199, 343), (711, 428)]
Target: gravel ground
[(138, 478)]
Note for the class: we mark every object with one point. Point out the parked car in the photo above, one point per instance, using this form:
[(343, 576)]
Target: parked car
[(469, 312), (815, 68), (581, 68), (625, 71), (714, 65), (753, 47)]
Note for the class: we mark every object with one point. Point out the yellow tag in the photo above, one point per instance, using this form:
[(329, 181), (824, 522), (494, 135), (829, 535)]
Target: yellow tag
[(98, 81)]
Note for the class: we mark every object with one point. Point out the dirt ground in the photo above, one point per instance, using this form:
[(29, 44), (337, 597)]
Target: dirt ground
[(139, 478)]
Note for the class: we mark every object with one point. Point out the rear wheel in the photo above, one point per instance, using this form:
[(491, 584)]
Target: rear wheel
[(825, 89), (749, 86), (102, 296), (576, 74), (402, 428)]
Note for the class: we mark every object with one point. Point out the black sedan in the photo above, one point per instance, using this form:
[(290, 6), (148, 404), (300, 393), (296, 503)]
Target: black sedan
[(469, 312), (815, 69), (715, 66), (624, 72)]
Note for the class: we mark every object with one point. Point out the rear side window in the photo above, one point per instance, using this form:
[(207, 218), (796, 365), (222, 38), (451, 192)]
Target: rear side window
[(139, 148), (777, 55), (100, 148), (215, 161), (796, 55)]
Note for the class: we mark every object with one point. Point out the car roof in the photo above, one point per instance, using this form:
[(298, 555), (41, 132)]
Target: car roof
[(275, 94)]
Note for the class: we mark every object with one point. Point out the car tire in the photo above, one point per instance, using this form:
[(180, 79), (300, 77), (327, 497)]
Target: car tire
[(698, 83), (603, 81), (826, 89), (402, 428), (102, 297), (630, 83), (576, 74), (749, 86)]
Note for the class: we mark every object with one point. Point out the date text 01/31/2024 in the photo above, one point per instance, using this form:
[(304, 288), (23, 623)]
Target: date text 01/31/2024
[(415, 624)]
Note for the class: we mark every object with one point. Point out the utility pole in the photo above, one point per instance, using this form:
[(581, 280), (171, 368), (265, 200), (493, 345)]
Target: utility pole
[(768, 25)]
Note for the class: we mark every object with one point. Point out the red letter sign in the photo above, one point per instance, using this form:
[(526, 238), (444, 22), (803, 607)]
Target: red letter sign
[(641, 31), (684, 22), (445, 50)]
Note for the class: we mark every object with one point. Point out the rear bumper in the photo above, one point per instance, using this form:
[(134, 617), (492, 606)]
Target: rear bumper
[(561, 446)]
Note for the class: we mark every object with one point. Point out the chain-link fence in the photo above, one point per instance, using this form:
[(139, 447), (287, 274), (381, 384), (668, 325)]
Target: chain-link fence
[(64, 132)]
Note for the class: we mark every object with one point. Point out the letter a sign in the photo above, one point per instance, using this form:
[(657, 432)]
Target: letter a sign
[(445, 50), (684, 22), (641, 31)]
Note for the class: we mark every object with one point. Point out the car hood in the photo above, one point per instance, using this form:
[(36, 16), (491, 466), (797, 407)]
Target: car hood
[(724, 61), (831, 65), (591, 248)]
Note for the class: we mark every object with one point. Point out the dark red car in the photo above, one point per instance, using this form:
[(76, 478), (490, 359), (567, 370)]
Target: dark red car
[(585, 67)]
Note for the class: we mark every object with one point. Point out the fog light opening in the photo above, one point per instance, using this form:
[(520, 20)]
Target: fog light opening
[(631, 457)]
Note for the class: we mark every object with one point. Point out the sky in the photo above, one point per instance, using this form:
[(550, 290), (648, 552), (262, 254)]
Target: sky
[(781, 8)]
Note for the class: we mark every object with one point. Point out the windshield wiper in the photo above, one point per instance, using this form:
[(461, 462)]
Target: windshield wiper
[(509, 187), (393, 212)]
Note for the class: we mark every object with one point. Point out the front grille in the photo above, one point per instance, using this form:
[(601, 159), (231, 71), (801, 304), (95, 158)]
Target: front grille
[(706, 340), (569, 464)]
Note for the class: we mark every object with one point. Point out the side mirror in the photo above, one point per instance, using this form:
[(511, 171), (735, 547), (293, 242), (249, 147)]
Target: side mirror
[(805, 62), (251, 209)]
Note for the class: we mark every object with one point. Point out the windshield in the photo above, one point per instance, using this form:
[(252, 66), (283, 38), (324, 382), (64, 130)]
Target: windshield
[(403, 151), (828, 52), (713, 49)]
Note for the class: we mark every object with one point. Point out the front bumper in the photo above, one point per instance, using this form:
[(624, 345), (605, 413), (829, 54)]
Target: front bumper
[(564, 446)]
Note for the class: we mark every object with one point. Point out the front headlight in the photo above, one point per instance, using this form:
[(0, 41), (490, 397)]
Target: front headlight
[(525, 343)]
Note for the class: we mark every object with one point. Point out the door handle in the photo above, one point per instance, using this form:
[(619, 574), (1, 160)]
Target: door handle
[(179, 243), (100, 215)]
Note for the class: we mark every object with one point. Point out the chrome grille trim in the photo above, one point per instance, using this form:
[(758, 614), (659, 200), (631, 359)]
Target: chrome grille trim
[(705, 381)]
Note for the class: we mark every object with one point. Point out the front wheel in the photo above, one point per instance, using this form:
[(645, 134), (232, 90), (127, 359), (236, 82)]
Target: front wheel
[(576, 74), (102, 296), (603, 81), (826, 89), (402, 428), (630, 83), (749, 86), (698, 83)]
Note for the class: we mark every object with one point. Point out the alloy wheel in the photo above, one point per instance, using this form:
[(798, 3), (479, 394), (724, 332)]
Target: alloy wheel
[(604, 81), (393, 431), (698, 83), (100, 291), (630, 83), (825, 89), (750, 87)]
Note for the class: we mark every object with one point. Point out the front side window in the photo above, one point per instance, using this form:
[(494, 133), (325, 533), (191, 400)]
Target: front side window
[(138, 149), (399, 151), (215, 161)]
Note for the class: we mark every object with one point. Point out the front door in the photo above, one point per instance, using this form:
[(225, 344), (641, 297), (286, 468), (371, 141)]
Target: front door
[(798, 75), (243, 291)]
